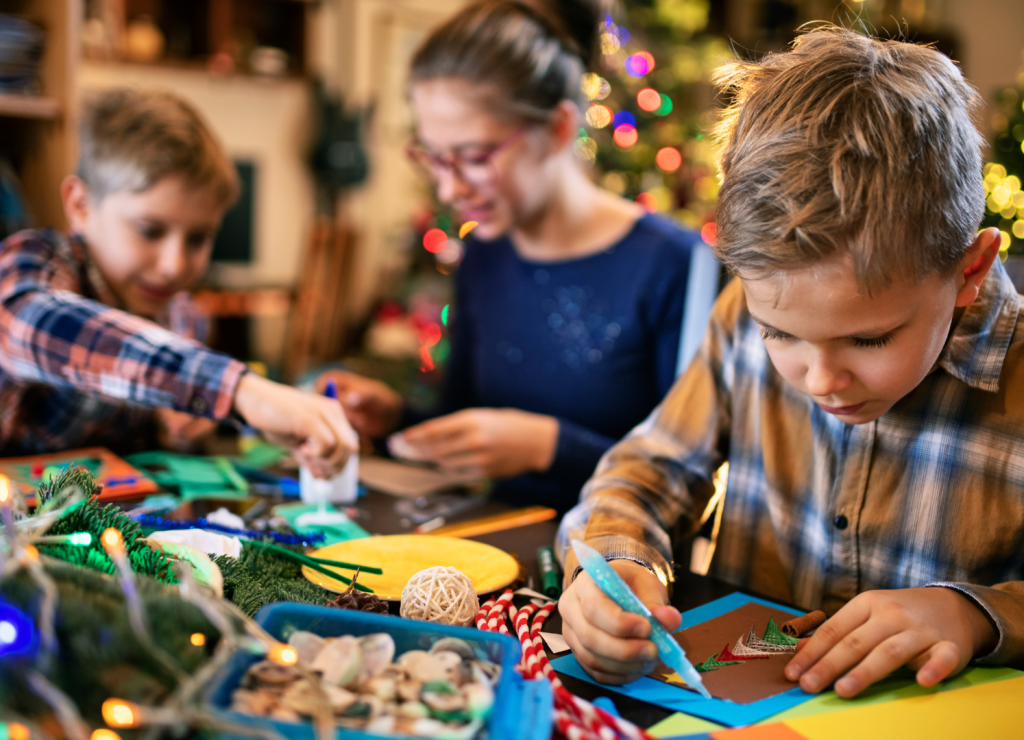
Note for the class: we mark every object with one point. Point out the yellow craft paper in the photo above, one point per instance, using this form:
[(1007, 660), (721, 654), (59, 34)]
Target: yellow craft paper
[(401, 556), (989, 710), (682, 724), (900, 685)]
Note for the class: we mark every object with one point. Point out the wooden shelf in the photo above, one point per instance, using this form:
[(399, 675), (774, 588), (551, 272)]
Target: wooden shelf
[(28, 106)]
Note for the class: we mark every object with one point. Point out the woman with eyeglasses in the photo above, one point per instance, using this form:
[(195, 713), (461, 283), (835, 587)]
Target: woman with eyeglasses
[(569, 301)]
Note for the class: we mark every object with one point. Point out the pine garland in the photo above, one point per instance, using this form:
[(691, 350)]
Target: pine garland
[(99, 655), (93, 517), (259, 578)]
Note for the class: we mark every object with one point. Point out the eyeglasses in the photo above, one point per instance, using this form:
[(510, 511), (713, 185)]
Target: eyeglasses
[(475, 167)]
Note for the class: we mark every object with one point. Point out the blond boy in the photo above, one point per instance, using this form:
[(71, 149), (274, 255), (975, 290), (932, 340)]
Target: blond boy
[(97, 334), (864, 377)]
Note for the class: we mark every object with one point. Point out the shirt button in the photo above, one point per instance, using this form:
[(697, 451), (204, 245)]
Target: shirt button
[(198, 405), (841, 522)]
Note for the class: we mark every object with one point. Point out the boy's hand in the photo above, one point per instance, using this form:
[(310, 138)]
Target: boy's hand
[(314, 427), (611, 644), (182, 432), (500, 443), (372, 408), (934, 631)]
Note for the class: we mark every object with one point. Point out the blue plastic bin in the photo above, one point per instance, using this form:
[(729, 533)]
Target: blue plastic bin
[(522, 709)]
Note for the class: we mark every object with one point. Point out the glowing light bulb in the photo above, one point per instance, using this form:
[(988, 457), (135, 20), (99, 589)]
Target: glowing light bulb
[(18, 731), (198, 639), (5, 489), (112, 539), (104, 734), (119, 713), (598, 115), (31, 553), (283, 654), (83, 539), (8, 633)]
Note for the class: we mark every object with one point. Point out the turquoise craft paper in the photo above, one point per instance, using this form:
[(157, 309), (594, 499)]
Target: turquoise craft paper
[(682, 700)]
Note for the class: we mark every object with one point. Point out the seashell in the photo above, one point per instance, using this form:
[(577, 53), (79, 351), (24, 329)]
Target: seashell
[(454, 645), (383, 687), (267, 673), (424, 667), (339, 698), (259, 702), (340, 662), (428, 728), (444, 701), (406, 661), (479, 696), (450, 664), (285, 714), (376, 705), (383, 725), (413, 710), (303, 698), (491, 670), (408, 690), (378, 652), (307, 645)]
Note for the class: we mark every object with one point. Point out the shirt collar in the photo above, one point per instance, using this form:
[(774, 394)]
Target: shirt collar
[(975, 351)]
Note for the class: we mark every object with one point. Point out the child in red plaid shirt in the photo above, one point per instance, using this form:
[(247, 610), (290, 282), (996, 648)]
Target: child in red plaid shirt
[(98, 338)]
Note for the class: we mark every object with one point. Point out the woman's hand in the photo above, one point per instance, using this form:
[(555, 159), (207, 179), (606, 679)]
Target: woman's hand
[(499, 443), (611, 644), (372, 408), (314, 427), (934, 631)]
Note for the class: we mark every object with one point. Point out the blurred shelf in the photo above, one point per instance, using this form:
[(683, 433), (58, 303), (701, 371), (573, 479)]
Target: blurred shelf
[(28, 106)]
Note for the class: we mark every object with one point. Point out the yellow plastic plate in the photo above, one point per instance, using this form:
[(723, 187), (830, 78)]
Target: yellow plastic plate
[(401, 556)]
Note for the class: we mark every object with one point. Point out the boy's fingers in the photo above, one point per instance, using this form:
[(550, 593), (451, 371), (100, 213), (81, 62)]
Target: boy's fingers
[(443, 426), (619, 660), (827, 636), (669, 616), (606, 616), (943, 659), (850, 651), (887, 656)]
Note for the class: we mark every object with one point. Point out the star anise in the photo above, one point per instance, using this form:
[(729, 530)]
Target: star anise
[(358, 600)]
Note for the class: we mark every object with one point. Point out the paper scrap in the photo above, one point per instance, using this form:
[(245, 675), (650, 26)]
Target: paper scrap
[(209, 542), (555, 642)]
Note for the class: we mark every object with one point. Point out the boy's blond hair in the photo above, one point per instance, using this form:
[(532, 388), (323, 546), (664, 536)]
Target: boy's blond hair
[(130, 139), (848, 145)]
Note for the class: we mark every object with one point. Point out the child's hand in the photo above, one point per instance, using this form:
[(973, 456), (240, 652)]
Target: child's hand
[(500, 443), (934, 631), (314, 427), (182, 432), (372, 408), (611, 644)]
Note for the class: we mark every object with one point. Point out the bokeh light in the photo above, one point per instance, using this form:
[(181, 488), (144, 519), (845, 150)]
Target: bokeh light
[(198, 639), (434, 240), (669, 159), (5, 489), (666, 106), (623, 117), (610, 43), (625, 135), (636, 66), (18, 731), (708, 233), (648, 99), (586, 148), (648, 201), (430, 335), (102, 734), (595, 87), (444, 315), (599, 115), (119, 713)]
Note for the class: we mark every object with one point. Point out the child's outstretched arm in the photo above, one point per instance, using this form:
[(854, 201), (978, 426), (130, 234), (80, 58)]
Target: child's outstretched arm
[(53, 336)]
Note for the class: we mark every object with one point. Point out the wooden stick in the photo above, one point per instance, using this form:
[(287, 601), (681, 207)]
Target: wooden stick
[(497, 522)]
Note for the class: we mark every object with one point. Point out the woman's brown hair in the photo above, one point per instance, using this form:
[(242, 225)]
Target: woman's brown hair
[(526, 56)]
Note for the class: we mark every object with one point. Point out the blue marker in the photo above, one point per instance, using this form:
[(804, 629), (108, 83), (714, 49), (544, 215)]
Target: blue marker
[(331, 389), (670, 652)]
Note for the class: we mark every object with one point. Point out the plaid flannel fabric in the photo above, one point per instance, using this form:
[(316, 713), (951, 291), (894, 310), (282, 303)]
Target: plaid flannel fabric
[(817, 511), (76, 370)]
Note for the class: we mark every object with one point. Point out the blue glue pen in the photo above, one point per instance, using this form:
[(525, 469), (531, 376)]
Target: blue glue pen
[(670, 652)]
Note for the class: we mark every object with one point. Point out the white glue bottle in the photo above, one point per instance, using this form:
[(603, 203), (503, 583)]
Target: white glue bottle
[(342, 489)]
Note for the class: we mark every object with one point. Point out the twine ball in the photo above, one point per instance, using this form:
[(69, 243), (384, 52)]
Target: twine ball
[(440, 594)]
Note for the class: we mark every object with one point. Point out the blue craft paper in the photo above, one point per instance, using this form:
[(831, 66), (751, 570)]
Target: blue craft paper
[(682, 700)]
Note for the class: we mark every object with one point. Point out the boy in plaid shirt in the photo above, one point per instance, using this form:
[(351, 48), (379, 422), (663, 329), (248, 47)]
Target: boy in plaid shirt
[(98, 339), (863, 376)]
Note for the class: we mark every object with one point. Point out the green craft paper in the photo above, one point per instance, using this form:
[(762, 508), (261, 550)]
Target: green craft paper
[(333, 533), (195, 477), (900, 685)]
